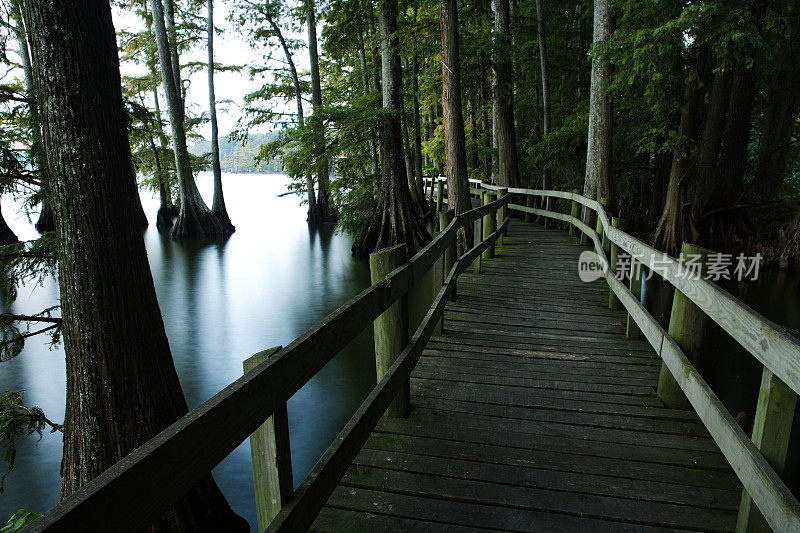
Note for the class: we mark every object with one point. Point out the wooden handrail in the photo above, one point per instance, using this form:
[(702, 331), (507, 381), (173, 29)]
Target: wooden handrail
[(135, 492), (769, 343)]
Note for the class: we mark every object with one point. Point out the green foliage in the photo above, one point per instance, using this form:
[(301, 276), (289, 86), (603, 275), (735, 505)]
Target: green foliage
[(19, 521), (17, 421)]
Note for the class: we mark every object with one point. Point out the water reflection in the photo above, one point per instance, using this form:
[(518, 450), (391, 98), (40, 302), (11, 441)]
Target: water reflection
[(222, 301)]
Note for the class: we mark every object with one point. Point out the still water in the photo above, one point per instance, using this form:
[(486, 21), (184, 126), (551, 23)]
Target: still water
[(221, 302)]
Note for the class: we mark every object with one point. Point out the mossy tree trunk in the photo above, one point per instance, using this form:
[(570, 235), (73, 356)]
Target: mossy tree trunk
[(122, 387)]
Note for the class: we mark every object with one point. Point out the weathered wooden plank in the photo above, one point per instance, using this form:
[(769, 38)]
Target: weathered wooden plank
[(549, 460), (535, 499), (486, 517), (517, 475)]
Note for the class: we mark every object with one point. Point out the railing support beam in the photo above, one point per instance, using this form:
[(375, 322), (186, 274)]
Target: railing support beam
[(489, 226), (575, 211), (445, 217), (632, 331), (771, 430), (613, 302), (391, 328), (271, 456), (686, 324)]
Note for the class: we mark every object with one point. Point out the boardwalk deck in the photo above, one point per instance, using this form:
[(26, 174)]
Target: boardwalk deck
[(533, 412)]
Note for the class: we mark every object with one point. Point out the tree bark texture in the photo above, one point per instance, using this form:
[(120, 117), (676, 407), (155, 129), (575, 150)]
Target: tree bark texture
[(122, 387), (546, 179), (599, 151), (454, 138), (673, 227), (503, 98)]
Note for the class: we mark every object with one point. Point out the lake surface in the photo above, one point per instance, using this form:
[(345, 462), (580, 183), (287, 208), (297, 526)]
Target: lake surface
[(221, 302)]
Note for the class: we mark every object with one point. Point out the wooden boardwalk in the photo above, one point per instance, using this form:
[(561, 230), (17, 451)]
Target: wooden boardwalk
[(533, 412)]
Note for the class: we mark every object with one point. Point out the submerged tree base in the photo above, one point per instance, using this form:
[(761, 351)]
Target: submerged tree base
[(200, 223), (318, 215), (393, 222), (164, 217), (7, 236), (46, 221)]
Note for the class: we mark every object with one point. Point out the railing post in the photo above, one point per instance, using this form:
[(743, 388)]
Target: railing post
[(476, 265), (502, 213), (632, 332), (546, 203), (686, 323), (271, 456), (530, 201), (445, 217), (614, 303), (489, 224), (598, 227), (391, 328), (772, 427), (574, 213), (439, 195)]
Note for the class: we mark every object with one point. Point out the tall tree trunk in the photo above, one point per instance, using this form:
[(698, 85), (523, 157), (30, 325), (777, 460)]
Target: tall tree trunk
[(416, 194), (488, 134), (673, 226), (313, 214), (454, 139), (46, 221), (729, 178), (362, 57), (175, 60), (394, 220), (472, 154), (417, 149), (503, 98), (194, 218), (218, 203), (708, 155), (546, 180), (122, 387), (782, 104), (325, 211), (597, 183), (165, 208)]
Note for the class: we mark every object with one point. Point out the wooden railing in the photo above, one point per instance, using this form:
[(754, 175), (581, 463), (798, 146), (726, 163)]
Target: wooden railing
[(137, 490), (778, 351)]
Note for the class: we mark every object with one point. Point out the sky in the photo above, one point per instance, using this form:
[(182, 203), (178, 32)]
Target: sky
[(230, 48)]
